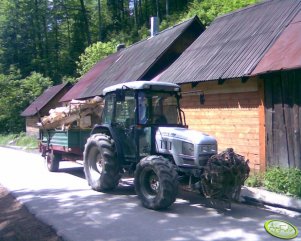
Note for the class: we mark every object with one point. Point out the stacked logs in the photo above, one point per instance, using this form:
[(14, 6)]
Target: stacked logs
[(224, 175), (76, 111)]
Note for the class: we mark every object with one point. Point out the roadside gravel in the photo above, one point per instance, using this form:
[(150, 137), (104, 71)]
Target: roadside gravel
[(18, 224)]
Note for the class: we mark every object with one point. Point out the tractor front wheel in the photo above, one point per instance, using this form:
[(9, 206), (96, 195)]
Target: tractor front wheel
[(156, 182)]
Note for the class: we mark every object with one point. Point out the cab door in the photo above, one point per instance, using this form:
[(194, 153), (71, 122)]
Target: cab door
[(123, 123)]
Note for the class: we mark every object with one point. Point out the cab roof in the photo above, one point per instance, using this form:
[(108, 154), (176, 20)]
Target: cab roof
[(143, 85)]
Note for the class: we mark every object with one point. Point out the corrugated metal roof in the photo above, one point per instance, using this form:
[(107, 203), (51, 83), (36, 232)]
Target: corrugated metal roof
[(233, 44), (286, 51), (135, 61), (76, 91), (44, 99)]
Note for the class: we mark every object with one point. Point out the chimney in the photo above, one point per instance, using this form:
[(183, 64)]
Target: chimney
[(154, 26), (120, 47)]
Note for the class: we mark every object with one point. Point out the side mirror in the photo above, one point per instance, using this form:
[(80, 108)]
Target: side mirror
[(202, 98), (120, 95)]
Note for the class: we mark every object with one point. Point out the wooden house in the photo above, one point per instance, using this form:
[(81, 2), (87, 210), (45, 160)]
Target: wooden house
[(41, 106), (248, 65)]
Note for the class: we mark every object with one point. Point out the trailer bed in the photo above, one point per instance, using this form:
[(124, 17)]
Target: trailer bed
[(68, 141)]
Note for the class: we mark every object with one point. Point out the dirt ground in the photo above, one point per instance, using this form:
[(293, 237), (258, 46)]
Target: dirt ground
[(18, 224)]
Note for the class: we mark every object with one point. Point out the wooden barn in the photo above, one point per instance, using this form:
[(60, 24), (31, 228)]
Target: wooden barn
[(41, 106), (248, 65)]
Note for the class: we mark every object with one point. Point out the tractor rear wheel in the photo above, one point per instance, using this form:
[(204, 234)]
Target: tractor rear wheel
[(101, 166), (156, 182)]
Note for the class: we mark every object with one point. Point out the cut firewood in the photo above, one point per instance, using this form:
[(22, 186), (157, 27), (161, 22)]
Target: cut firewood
[(77, 110)]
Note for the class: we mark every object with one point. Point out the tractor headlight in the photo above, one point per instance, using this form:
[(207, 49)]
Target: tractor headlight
[(187, 149), (208, 149)]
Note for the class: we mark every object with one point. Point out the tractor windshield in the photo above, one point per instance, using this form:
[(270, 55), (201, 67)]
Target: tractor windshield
[(159, 108)]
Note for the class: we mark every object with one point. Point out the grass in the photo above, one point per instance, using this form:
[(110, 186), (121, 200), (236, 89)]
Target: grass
[(21, 140), (255, 180), (284, 180), (279, 180)]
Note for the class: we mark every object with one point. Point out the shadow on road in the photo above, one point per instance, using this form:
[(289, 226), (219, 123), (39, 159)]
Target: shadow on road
[(75, 171)]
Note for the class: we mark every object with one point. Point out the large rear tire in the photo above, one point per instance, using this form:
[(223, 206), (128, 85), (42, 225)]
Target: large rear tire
[(53, 161), (156, 182), (101, 166)]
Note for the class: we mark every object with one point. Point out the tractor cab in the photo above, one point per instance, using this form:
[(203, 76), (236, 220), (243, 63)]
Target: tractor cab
[(133, 112)]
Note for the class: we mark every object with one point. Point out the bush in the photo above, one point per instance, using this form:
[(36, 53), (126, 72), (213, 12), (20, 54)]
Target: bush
[(255, 180), (283, 180)]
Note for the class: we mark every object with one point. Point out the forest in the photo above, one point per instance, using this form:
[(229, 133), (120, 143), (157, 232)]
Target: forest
[(47, 42)]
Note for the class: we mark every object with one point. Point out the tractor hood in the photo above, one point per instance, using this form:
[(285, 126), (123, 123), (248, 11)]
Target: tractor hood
[(183, 134)]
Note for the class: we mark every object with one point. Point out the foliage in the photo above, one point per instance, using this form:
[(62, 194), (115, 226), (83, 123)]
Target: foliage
[(33, 85), (25, 141), (15, 95), (93, 54), (20, 139), (255, 180), (172, 20), (283, 180), (7, 139), (48, 36), (69, 79), (208, 10)]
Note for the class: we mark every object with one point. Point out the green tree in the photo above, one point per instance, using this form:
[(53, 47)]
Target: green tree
[(208, 10), (48, 36), (15, 95), (33, 86), (93, 54)]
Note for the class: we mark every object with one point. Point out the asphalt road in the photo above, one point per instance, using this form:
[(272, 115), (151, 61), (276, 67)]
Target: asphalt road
[(65, 201)]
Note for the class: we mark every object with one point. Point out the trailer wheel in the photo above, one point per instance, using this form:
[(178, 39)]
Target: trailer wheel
[(101, 166), (156, 182), (53, 161)]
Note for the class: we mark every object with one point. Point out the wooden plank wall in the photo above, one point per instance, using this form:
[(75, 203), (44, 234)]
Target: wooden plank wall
[(283, 118), (231, 114)]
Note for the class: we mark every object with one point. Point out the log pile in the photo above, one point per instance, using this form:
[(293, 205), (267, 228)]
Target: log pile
[(224, 175), (77, 111)]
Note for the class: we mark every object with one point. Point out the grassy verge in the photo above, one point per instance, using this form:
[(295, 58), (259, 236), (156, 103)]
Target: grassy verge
[(27, 142), (280, 180)]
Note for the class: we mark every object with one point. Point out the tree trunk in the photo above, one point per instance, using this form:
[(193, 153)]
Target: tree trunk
[(99, 20), (86, 22), (136, 13), (140, 12), (37, 31), (167, 7)]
